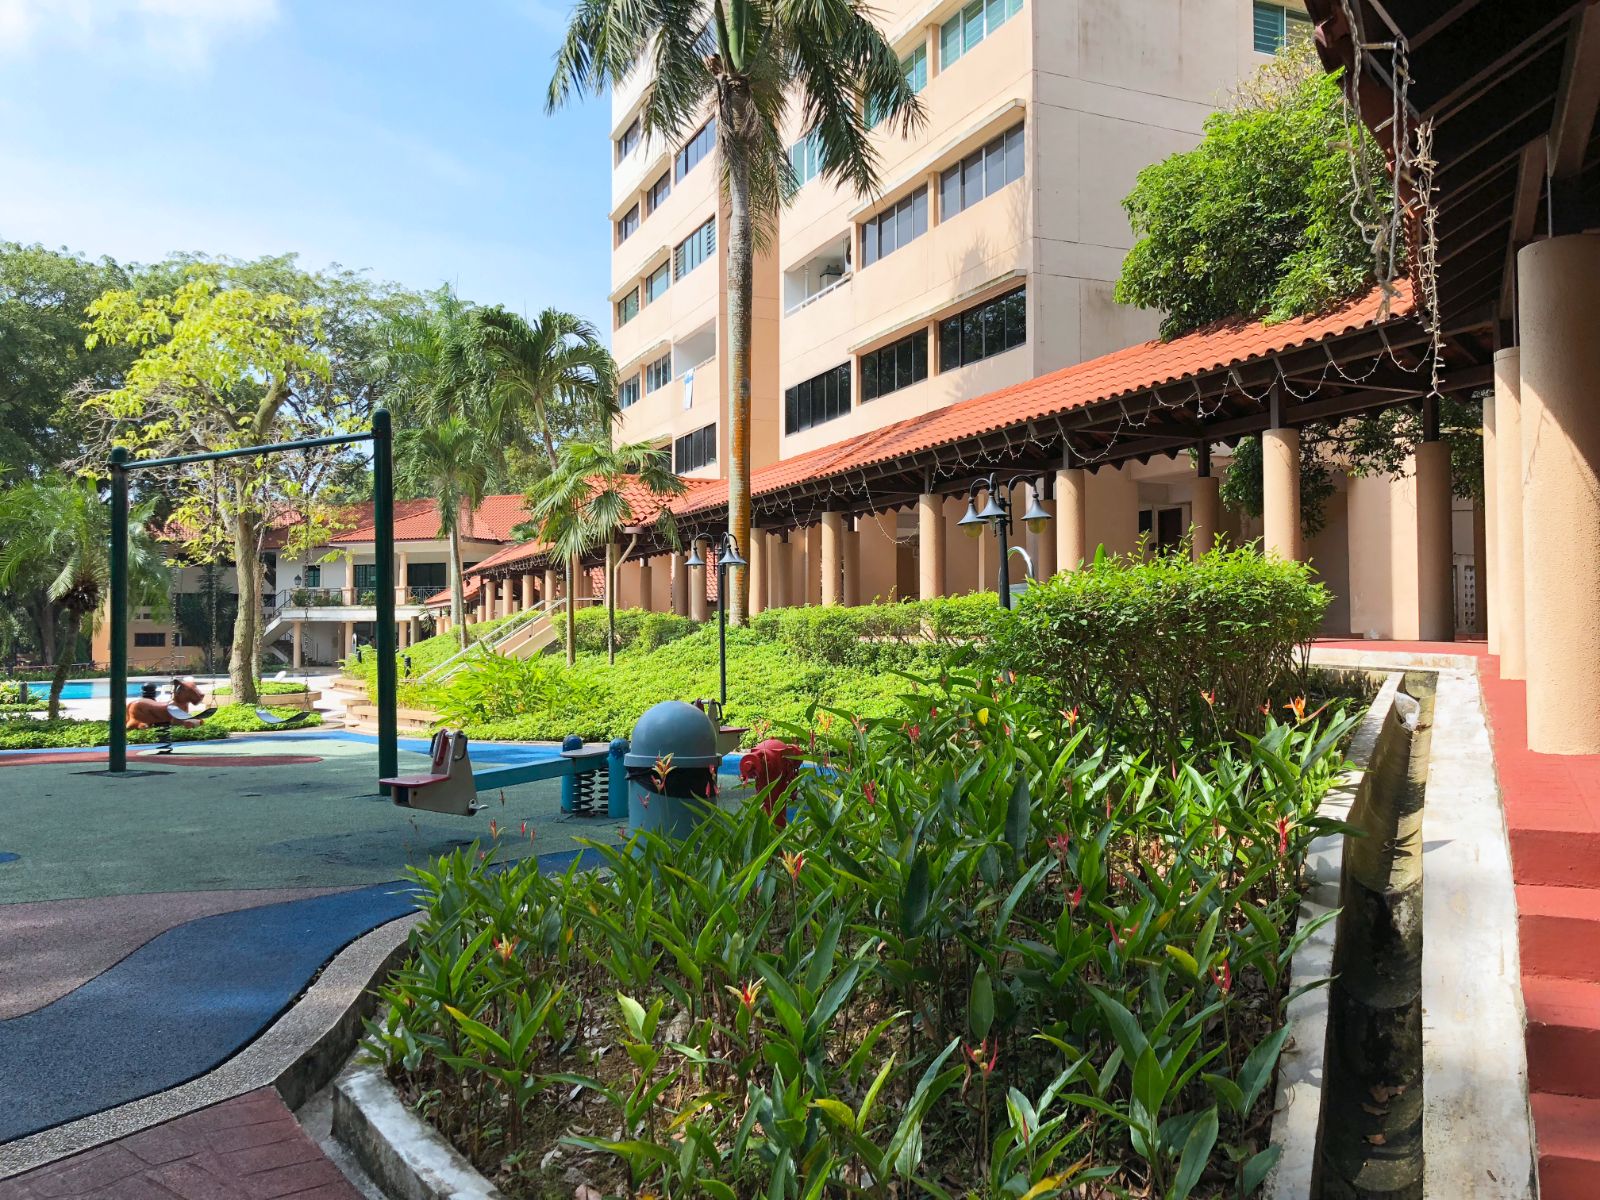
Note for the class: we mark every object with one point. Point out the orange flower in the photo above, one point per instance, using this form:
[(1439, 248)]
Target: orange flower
[(661, 770), (747, 994), (505, 947), (1070, 716), (1298, 707), (1210, 698), (494, 828), (792, 863)]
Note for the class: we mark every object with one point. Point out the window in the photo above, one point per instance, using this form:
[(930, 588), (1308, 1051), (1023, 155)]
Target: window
[(982, 173), (1273, 25), (659, 373), (915, 65), (149, 640), (629, 141), (628, 225), (659, 191), (894, 366), (695, 450), (695, 249), (818, 399), (312, 576), (894, 227), (655, 284), (426, 575), (628, 393), (696, 148), (366, 577), (627, 308), (805, 156), (971, 25), (984, 331)]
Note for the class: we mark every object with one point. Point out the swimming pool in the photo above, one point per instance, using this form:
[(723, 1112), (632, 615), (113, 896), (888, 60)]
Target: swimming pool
[(82, 689)]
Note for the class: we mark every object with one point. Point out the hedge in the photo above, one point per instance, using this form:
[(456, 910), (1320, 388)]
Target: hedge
[(37, 733)]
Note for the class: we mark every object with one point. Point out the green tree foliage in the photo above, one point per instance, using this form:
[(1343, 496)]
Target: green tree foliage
[(1262, 219), (750, 62), (450, 462), (55, 545)]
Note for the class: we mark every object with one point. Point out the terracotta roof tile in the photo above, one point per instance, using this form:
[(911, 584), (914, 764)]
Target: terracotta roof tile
[(418, 521), (1135, 369)]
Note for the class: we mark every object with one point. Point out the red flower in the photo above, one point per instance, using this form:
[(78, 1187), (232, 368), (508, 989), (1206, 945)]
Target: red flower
[(932, 713), (524, 830), (792, 863), (1070, 716), (1076, 897), (494, 828), (870, 790), (915, 731), (1224, 979), (1059, 843), (1115, 936), (1283, 835), (985, 1056), (1210, 698), (747, 994)]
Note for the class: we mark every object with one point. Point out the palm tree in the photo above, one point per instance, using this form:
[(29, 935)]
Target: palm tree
[(544, 379), (586, 501), (430, 353), (747, 64), (55, 533), (452, 462)]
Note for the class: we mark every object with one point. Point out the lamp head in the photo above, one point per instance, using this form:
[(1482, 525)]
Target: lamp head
[(694, 559), (971, 522), (992, 511), (1036, 518), (729, 555)]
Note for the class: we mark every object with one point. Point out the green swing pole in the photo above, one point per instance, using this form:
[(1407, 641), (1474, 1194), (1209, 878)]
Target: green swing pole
[(383, 546), (118, 753)]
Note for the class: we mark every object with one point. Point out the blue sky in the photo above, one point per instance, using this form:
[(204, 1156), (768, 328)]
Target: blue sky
[(407, 138)]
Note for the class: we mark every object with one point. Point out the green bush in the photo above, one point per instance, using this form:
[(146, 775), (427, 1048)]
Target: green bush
[(990, 959), (1167, 650), (11, 708), (859, 635), (637, 629), (267, 687), (37, 733)]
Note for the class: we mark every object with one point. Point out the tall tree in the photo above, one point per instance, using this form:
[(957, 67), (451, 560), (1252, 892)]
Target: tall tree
[(588, 499), (449, 461), (745, 65), (221, 365), (55, 535)]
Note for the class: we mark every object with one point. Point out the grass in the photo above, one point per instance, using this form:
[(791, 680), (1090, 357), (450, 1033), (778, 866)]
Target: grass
[(267, 687), (38, 733)]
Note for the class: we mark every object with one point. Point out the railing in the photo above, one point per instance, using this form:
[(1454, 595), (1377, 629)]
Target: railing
[(820, 293), (504, 633), (311, 597), (321, 597)]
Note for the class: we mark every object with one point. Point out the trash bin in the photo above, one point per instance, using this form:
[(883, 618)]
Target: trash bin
[(617, 779), (672, 769)]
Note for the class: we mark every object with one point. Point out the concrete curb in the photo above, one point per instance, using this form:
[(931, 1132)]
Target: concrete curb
[(1477, 1128), (406, 1157), (297, 1055), (1297, 1119)]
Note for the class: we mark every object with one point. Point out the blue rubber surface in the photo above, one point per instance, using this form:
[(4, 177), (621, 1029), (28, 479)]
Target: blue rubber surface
[(182, 1003)]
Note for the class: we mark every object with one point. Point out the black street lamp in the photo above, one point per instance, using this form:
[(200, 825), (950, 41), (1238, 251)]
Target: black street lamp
[(727, 552), (997, 513)]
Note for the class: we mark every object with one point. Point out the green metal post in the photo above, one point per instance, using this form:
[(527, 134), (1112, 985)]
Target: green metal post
[(119, 609), (383, 544)]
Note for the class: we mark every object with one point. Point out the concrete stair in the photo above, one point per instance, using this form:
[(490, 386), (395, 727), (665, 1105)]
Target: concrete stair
[(1569, 1146), (407, 720), (1556, 857), (1563, 1037), (1555, 926)]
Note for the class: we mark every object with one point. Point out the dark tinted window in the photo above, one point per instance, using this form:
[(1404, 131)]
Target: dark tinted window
[(894, 366), (696, 148), (983, 331), (695, 450), (819, 399)]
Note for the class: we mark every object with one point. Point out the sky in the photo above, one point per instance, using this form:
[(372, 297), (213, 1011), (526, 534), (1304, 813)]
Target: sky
[(406, 138)]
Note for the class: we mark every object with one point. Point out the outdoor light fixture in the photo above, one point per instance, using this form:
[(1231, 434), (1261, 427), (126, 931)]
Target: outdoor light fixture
[(997, 513), (727, 551)]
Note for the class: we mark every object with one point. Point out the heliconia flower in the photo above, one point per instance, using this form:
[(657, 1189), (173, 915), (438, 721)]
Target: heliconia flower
[(1115, 936), (524, 830), (1298, 707), (494, 828), (983, 716), (1224, 977), (1059, 842), (1007, 728), (915, 731), (985, 1056), (1070, 716), (1077, 897), (1266, 710), (747, 994), (505, 947), (932, 713), (792, 863), (662, 769), (1283, 835), (870, 791), (1210, 698)]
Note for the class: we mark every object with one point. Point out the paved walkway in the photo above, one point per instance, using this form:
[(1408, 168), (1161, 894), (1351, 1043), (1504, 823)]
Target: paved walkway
[(248, 1148)]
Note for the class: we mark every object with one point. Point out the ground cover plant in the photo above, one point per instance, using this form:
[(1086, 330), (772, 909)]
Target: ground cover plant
[(994, 956), (33, 733), (268, 687)]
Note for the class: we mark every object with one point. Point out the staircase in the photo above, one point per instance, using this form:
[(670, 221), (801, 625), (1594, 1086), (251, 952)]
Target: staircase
[(1552, 807)]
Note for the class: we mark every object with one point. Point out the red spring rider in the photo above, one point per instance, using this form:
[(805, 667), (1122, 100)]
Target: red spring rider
[(773, 765)]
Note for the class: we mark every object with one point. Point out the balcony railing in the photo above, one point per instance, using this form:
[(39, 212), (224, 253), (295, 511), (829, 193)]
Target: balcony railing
[(321, 597)]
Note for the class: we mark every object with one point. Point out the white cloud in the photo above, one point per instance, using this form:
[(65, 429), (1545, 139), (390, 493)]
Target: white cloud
[(166, 33)]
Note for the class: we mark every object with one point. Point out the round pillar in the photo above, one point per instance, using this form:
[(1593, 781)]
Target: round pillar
[(1205, 511), (1488, 567), (1072, 489), (930, 546), (852, 563), (697, 593), (1436, 610), (1280, 492), (528, 590), (646, 585), (680, 586), (1508, 499), (782, 553), (758, 571), (1558, 296), (832, 555)]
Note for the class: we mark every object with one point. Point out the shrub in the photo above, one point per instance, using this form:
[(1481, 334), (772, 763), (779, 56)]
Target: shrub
[(37, 733), (637, 629), (267, 687), (1166, 650), (992, 958)]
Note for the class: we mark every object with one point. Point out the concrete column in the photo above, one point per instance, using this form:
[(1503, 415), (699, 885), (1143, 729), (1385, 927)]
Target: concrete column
[(680, 585), (401, 583), (350, 639), (758, 570), (1280, 492), (930, 546), (832, 556), (782, 572), (1043, 544), (1072, 489), (697, 592), (349, 577), (852, 563), (507, 597), (646, 585), (1436, 621), (810, 592), (1205, 509), (528, 600), (1489, 564), (552, 584), (1558, 296), (299, 645), (1508, 500)]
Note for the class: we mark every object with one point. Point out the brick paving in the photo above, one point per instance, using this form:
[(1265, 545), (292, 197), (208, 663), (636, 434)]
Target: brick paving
[(248, 1148)]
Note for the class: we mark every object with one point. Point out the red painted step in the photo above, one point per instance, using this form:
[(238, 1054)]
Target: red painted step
[(1559, 931), (1541, 856), (1563, 1035), (1569, 1146)]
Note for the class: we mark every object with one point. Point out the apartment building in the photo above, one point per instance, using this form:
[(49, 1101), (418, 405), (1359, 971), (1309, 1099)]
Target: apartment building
[(987, 257)]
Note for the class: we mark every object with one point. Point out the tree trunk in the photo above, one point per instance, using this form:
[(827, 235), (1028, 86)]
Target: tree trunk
[(572, 610), (44, 621), (247, 625), (58, 681), (458, 589), (741, 253), (611, 603)]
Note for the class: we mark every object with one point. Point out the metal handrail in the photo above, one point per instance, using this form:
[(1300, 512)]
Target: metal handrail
[(520, 621)]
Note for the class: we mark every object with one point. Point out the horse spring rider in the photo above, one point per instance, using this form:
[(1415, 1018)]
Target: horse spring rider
[(147, 712)]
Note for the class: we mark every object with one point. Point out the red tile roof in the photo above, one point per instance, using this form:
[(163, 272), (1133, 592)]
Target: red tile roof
[(1123, 372), (418, 521)]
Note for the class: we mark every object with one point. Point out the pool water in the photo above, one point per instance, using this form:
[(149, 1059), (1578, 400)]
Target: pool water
[(82, 689)]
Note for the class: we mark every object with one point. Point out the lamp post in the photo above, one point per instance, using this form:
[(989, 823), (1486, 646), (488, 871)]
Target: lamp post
[(996, 512), (727, 551)]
